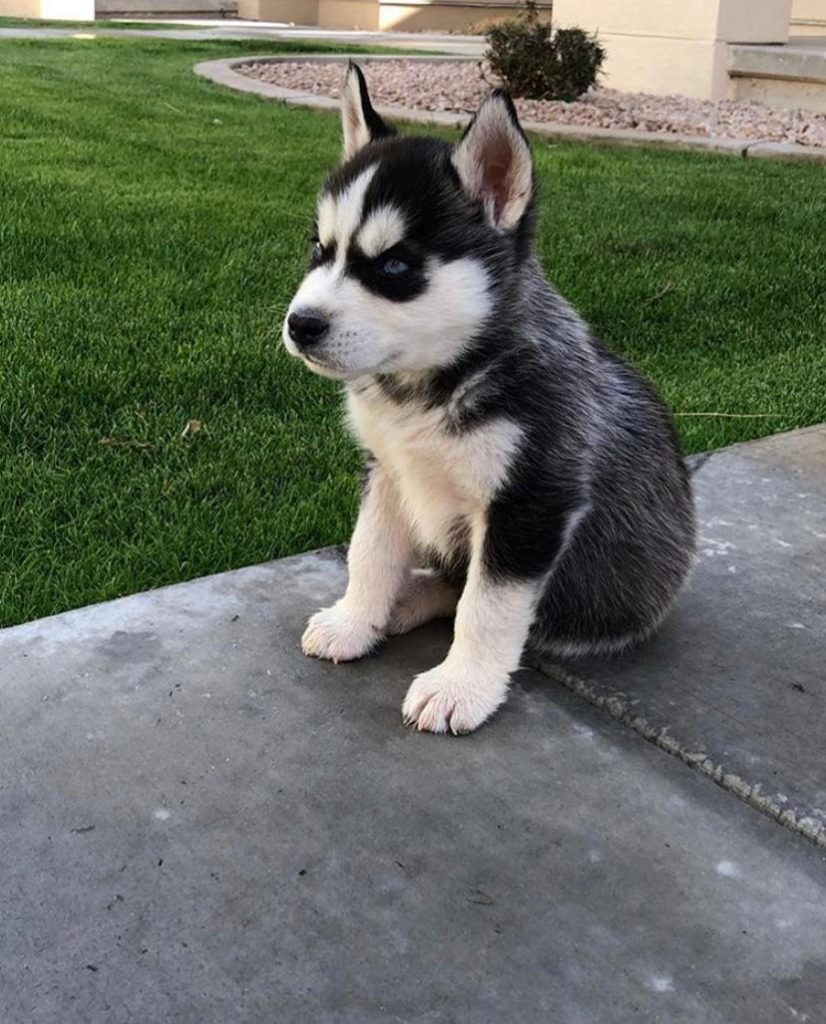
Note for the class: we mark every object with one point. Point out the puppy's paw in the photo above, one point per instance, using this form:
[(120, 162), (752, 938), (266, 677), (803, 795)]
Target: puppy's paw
[(336, 634), (447, 700)]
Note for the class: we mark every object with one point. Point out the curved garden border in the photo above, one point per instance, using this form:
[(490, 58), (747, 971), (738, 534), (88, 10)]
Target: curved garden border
[(223, 72)]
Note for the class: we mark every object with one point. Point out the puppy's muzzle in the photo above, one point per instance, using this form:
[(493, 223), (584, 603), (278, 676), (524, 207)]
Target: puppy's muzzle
[(307, 327)]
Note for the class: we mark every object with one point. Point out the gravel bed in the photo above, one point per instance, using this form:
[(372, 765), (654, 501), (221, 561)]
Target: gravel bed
[(460, 86)]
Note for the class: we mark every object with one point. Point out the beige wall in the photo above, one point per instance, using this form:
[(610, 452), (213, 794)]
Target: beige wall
[(674, 46), (740, 21), (808, 18), (181, 8), (300, 12), (71, 10), (754, 21), (689, 67), (54, 10), (343, 14), (361, 14), (376, 15), (413, 16), (19, 8), (451, 16)]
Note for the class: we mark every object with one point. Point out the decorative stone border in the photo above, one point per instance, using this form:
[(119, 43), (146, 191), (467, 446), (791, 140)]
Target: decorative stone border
[(223, 72)]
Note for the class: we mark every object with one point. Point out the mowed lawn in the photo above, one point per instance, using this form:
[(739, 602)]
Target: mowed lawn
[(152, 229)]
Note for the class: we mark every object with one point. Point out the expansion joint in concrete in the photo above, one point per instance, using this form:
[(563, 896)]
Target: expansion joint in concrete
[(621, 709)]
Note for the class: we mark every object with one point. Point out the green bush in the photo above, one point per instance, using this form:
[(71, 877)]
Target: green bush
[(539, 64)]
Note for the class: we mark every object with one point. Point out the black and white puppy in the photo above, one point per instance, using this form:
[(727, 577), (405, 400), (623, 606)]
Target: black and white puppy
[(520, 475)]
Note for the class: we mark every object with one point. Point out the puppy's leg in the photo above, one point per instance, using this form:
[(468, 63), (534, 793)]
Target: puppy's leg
[(380, 553), (492, 623), (513, 556), (426, 595)]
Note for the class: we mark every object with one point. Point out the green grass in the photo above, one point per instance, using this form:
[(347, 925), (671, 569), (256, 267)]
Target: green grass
[(153, 228)]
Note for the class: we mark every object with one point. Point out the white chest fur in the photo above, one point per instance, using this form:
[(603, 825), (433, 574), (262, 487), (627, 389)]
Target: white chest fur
[(440, 476)]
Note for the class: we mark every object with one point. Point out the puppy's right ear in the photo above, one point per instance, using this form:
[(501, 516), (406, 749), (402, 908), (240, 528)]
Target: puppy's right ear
[(360, 124)]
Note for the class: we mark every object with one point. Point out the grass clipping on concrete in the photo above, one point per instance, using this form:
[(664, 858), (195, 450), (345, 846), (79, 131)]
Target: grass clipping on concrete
[(153, 228)]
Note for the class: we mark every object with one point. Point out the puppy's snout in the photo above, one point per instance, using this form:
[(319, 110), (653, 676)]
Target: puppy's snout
[(307, 327)]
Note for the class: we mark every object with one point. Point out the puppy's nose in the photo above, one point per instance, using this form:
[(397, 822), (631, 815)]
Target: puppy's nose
[(308, 327)]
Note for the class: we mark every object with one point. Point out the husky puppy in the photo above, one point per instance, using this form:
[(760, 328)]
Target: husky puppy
[(519, 475)]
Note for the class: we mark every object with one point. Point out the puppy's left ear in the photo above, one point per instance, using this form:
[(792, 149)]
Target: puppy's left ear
[(360, 124), (493, 161)]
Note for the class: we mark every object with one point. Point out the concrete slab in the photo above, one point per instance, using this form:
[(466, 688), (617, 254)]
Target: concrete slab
[(200, 825), (735, 682)]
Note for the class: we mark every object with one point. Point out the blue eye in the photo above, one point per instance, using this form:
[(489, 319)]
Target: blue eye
[(317, 252), (394, 268)]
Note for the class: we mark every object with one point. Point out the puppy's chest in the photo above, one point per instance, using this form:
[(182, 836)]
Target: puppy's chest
[(442, 477)]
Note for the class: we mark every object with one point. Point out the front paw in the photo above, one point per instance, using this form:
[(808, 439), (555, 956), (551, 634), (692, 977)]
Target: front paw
[(447, 700), (337, 634)]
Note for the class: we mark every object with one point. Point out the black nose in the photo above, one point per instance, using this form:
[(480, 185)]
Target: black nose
[(307, 328)]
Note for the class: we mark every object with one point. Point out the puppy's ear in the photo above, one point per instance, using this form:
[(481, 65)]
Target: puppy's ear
[(359, 122), (493, 161)]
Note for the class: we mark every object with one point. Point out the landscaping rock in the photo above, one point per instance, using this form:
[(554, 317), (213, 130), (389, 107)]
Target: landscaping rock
[(460, 86)]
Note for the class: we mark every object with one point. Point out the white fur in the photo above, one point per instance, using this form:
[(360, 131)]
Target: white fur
[(492, 624), (339, 216), (384, 228), (428, 479), (471, 390), (440, 477), (369, 334), (326, 219), (425, 596), (354, 128), (380, 553)]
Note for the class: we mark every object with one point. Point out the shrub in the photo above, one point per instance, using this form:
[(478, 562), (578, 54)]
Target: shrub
[(539, 64)]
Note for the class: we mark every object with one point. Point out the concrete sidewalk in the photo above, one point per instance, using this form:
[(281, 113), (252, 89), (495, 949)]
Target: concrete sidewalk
[(734, 684), (217, 30), (201, 825)]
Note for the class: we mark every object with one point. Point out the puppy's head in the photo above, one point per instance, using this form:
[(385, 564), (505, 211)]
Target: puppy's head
[(416, 242)]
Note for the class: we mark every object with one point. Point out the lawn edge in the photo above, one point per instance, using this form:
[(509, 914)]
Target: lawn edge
[(223, 72)]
